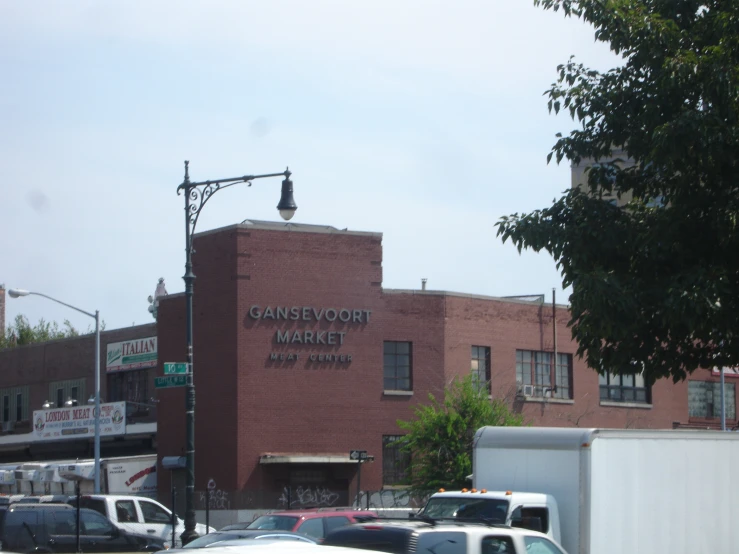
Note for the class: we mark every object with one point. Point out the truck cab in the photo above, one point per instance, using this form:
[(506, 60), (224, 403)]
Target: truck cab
[(528, 510)]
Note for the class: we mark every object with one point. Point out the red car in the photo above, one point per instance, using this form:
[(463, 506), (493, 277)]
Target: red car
[(314, 523)]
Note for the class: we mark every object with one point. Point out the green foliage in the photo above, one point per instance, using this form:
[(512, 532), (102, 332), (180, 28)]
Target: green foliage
[(22, 332), (655, 280), (439, 438)]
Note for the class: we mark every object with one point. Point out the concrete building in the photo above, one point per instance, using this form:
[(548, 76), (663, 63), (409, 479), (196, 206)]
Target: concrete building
[(301, 355)]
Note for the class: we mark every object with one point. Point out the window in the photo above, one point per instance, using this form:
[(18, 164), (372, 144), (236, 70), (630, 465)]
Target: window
[(60, 391), (94, 524), (153, 513), (395, 461), (62, 522), (529, 517), (335, 522), (15, 403), (704, 399), (128, 386), (535, 368), (540, 545), (126, 511), (497, 545), (312, 528), (397, 365), (624, 388), (481, 367), (20, 531)]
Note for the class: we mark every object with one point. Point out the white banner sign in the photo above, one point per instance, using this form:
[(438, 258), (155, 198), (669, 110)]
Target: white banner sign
[(132, 476), (131, 354), (79, 422)]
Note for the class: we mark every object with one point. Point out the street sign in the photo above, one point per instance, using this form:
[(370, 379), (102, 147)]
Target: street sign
[(175, 368), (170, 381), (357, 454)]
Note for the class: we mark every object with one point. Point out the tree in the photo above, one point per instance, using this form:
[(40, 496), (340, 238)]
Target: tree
[(439, 438), (655, 279), (23, 333)]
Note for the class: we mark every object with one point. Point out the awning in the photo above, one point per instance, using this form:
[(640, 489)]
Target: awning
[(302, 458)]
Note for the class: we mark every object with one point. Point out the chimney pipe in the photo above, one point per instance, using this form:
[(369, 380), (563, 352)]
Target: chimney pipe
[(423, 283)]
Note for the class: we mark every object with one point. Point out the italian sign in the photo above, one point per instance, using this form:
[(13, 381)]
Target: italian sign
[(79, 422), (131, 354)]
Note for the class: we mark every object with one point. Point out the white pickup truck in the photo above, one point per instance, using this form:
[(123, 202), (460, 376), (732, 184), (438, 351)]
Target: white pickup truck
[(139, 515)]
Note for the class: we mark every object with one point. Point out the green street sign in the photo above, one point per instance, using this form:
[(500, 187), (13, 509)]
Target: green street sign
[(170, 381), (175, 368)]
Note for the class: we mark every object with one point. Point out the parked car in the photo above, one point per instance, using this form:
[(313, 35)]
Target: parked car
[(217, 537), (138, 514), (441, 537), (274, 547), (53, 528), (314, 523)]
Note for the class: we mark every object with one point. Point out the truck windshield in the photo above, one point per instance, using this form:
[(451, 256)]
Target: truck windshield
[(491, 509)]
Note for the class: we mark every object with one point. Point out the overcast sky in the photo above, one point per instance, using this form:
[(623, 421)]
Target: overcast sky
[(421, 120)]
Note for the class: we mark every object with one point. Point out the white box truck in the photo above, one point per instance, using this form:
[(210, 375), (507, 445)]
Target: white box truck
[(618, 491)]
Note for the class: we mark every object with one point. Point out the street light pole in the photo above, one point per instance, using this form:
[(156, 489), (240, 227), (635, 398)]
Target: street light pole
[(196, 196), (17, 293)]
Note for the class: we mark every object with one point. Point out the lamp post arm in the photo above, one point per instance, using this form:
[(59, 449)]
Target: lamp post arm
[(93, 316), (199, 193)]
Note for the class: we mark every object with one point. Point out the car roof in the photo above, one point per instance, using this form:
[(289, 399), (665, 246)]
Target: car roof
[(450, 524), (323, 512), (275, 536), (278, 547)]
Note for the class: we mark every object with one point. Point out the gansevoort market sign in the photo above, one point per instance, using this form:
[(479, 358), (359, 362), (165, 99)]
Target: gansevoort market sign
[(310, 336), (79, 422)]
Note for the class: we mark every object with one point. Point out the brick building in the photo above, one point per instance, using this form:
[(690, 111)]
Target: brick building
[(301, 356)]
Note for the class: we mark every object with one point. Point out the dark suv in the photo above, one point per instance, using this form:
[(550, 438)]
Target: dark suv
[(53, 528)]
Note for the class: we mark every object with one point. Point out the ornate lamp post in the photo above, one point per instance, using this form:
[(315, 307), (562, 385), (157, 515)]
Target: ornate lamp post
[(17, 293), (196, 196)]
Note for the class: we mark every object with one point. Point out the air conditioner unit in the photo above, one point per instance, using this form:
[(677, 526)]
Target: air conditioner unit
[(84, 471), (528, 390), (8, 426)]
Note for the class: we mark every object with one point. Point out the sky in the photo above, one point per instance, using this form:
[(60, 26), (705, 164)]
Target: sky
[(425, 121)]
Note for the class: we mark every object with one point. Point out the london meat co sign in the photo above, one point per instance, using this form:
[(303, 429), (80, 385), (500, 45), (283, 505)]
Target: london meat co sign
[(310, 336)]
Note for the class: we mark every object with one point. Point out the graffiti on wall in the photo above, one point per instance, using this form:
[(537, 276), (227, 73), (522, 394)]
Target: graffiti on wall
[(307, 496), (217, 499)]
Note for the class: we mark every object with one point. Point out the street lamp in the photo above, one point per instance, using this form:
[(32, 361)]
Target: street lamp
[(196, 196), (17, 293)]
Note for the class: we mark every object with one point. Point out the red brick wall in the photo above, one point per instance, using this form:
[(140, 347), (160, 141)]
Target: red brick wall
[(249, 405)]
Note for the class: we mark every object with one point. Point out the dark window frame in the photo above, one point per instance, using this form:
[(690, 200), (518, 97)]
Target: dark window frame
[(626, 389), (480, 356), (537, 371), (130, 386), (395, 360), (396, 463), (715, 406)]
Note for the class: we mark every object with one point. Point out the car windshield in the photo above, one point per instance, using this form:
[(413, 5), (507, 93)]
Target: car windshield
[(283, 523), (492, 509), (211, 538)]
